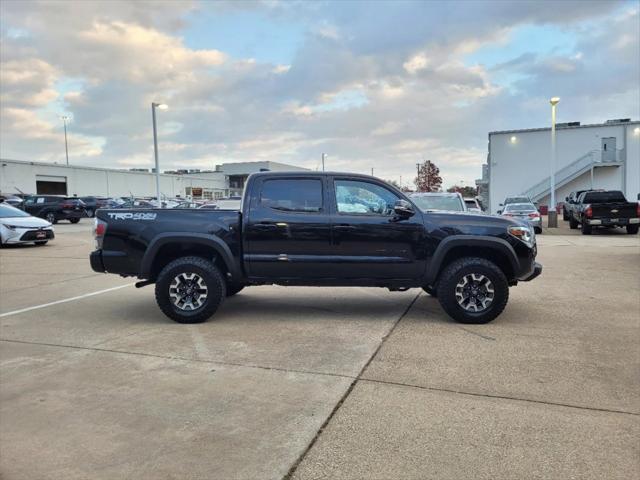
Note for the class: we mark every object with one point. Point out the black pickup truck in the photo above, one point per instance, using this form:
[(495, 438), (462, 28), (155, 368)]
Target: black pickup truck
[(317, 229), (604, 208)]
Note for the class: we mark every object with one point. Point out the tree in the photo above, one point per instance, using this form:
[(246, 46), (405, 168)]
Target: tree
[(428, 179), (465, 191)]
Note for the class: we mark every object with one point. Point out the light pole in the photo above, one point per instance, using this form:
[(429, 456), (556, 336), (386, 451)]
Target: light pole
[(66, 147), (323, 155), (161, 106), (552, 215)]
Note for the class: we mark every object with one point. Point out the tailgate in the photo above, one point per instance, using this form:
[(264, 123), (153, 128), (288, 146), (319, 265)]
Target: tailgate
[(614, 210)]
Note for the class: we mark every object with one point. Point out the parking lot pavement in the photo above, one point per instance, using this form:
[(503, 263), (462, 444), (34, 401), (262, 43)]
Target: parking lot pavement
[(320, 383), (34, 275)]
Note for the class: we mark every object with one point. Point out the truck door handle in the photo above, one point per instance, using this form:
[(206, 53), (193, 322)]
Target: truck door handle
[(264, 226), (344, 228)]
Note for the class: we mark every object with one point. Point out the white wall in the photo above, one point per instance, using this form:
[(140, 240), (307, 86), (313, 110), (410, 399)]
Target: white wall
[(83, 181), (517, 166)]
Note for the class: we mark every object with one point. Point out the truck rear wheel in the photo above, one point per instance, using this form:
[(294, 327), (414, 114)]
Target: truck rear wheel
[(632, 229), (473, 290), (586, 229), (190, 289), (573, 224)]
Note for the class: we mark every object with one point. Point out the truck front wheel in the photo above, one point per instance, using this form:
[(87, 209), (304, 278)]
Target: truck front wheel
[(473, 290), (190, 289)]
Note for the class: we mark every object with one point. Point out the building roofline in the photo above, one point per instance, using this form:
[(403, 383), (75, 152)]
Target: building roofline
[(115, 170), (565, 127)]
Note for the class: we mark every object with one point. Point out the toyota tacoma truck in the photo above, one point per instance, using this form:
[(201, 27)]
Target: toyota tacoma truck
[(604, 208), (317, 229)]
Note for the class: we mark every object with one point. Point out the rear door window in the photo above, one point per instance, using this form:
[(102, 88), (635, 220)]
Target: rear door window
[(302, 195)]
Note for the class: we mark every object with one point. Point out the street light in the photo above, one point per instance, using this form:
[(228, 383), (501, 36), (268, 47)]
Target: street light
[(161, 106), (552, 215), (66, 147)]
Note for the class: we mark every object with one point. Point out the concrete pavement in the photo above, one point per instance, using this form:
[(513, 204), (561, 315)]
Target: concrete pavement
[(320, 383)]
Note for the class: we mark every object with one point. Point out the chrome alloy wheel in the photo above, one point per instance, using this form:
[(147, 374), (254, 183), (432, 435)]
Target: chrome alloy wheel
[(188, 291), (474, 292)]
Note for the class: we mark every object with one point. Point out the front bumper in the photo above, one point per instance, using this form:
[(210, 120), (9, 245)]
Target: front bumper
[(537, 270), (27, 235)]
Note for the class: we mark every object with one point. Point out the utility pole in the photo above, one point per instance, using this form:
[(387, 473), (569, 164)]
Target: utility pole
[(161, 106), (552, 215), (323, 155), (66, 146), (372, 171)]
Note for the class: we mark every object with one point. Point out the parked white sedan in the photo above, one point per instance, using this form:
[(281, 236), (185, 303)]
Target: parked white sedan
[(17, 226)]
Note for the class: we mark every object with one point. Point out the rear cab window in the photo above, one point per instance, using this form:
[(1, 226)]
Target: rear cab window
[(300, 195), (603, 197)]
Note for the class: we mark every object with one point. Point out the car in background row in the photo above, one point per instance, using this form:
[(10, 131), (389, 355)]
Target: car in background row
[(17, 226), (570, 201), (94, 203), (439, 201), (604, 208), (472, 205), (526, 212), (508, 200), (54, 208)]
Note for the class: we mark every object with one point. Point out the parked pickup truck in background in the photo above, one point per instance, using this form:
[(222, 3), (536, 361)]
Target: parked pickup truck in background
[(317, 229), (570, 201), (604, 208)]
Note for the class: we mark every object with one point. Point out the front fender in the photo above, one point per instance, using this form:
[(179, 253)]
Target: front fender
[(217, 245), (446, 245)]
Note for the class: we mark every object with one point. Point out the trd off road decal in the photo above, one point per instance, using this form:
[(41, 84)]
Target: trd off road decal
[(132, 216)]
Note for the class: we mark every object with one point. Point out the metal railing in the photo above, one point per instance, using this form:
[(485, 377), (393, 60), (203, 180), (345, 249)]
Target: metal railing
[(576, 168)]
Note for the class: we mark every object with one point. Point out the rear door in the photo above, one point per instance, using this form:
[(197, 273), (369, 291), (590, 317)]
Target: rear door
[(369, 240), (287, 232)]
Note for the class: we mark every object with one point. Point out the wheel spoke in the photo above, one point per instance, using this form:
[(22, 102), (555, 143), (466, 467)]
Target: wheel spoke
[(474, 292)]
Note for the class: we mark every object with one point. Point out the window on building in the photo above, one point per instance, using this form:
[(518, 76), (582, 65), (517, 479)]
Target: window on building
[(292, 195)]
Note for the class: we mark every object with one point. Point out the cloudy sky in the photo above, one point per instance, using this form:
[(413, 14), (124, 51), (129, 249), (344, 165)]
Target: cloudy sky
[(373, 84)]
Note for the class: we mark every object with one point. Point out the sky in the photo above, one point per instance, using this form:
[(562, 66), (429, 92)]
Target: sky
[(374, 85)]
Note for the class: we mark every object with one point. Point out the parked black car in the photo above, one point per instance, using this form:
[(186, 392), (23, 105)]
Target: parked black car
[(570, 201), (54, 207), (302, 228), (91, 204), (604, 208)]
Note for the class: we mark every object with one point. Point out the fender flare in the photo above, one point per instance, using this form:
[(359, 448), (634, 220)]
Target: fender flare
[(218, 246), (446, 245)]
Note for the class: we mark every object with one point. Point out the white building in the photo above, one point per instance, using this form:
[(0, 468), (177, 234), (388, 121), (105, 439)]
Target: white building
[(605, 155), (50, 178)]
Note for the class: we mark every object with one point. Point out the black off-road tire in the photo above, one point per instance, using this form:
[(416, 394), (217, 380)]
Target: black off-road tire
[(233, 289), (214, 280), (51, 218), (41, 242), (565, 215), (573, 223), (586, 229), (454, 273), (431, 291), (74, 220), (632, 229)]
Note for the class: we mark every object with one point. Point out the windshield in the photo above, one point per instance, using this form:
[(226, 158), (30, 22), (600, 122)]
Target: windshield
[(520, 207), (7, 211), (603, 197), (438, 202)]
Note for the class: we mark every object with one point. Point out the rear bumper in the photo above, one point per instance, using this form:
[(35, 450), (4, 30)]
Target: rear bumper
[(95, 258), (612, 221)]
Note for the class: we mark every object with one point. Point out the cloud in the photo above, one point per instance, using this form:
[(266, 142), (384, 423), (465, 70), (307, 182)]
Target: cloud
[(381, 85)]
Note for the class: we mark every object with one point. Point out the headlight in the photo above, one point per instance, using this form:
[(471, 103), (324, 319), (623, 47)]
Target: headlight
[(523, 233)]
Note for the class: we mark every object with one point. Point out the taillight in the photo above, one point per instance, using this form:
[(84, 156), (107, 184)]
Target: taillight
[(588, 212), (99, 229), (638, 210)]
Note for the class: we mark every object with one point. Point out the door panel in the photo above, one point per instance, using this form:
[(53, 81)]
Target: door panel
[(288, 232), (369, 240)]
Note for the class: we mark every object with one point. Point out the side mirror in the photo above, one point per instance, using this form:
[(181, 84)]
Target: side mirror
[(403, 209)]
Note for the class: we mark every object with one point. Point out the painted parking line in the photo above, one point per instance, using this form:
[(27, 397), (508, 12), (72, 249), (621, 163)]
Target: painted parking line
[(79, 297)]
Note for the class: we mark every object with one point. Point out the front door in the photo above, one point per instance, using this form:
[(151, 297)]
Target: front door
[(288, 233), (369, 240)]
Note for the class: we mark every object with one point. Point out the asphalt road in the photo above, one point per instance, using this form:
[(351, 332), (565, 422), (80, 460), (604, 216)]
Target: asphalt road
[(313, 383)]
